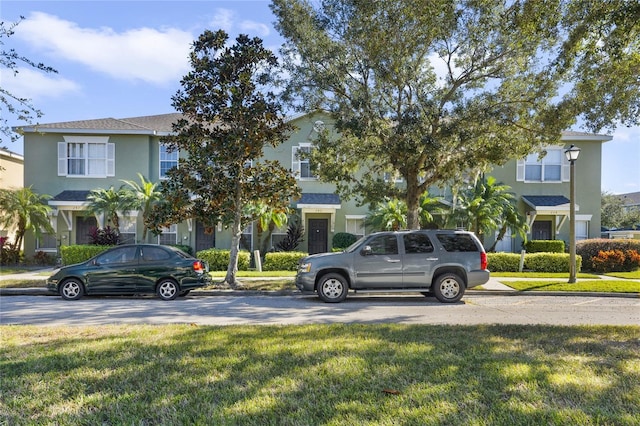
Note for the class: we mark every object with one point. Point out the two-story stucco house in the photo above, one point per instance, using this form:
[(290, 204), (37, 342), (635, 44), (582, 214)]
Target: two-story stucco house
[(67, 160)]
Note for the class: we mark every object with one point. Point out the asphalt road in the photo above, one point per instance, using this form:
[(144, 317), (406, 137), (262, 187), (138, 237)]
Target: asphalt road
[(302, 309)]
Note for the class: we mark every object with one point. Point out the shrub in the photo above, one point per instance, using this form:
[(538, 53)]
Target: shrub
[(544, 246), (616, 261), (104, 236), (295, 236), (80, 253), (589, 249), (43, 258), (282, 261), (218, 259), (342, 240), (549, 262), (503, 262)]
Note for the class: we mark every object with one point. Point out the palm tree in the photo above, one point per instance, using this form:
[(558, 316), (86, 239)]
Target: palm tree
[(144, 196), (390, 216), (109, 202), (24, 210), (513, 220), (487, 206), (268, 219)]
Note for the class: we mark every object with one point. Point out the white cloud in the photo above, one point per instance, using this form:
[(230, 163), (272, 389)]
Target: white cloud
[(145, 54), (223, 19), (253, 29), (36, 85)]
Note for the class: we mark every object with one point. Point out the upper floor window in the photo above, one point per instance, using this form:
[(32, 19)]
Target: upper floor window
[(300, 164), (550, 168), (168, 160), (86, 156)]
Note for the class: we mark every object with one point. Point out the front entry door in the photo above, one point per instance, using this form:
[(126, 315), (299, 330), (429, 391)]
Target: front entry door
[(85, 225), (318, 235), (541, 230), (204, 240)]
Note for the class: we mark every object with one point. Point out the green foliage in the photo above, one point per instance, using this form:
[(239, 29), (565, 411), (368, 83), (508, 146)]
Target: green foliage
[(549, 262), (589, 249), (24, 210), (343, 240), (104, 236), (143, 196), (616, 261), (503, 262), (109, 202), (79, 253), (229, 117), (9, 255), (544, 246), (282, 261), (218, 259), (295, 236), (535, 262), (389, 215), (12, 104)]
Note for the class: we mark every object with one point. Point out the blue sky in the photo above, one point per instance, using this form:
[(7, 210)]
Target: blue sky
[(126, 58)]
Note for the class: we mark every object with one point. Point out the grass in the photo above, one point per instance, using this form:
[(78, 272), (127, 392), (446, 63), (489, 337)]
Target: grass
[(320, 375), (607, 286), (627, 275), (542, 275)]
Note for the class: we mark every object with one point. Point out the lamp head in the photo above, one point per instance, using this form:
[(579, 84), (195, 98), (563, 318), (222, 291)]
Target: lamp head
[(572, 153)]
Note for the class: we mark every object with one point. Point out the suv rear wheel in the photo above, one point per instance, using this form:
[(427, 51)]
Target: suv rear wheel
[(332, 288), (448, 288)]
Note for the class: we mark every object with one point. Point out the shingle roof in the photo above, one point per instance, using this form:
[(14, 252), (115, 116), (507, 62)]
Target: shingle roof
[(545, 200), (328, 199), (69, 195), (151, 124), (631, 198)]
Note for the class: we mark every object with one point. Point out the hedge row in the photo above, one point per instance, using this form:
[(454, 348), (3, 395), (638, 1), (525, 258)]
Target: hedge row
[(589, 249), (536, 262), (544, 246), (282, 260), (79, 253), (218, 259)]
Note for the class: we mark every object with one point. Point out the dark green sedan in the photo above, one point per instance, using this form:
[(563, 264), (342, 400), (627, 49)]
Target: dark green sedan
[(132, 269)]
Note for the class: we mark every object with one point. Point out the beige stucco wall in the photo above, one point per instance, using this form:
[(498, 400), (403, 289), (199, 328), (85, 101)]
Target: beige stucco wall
[(11, 177)]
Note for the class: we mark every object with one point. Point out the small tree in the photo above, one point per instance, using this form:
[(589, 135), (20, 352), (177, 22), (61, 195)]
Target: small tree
[(24, 210), (109, 202), (143, 196), (228, 121)]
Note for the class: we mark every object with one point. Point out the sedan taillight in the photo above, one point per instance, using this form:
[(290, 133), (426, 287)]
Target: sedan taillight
[(198, 266), (483, 260)]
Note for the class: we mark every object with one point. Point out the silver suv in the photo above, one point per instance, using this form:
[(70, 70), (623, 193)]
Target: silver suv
[(439, 262)]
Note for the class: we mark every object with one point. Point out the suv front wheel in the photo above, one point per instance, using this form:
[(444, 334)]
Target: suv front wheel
[(448, 288), (332, 288)]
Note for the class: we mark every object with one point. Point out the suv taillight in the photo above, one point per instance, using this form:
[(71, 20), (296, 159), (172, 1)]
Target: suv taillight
[(198, 266), (483, 260)]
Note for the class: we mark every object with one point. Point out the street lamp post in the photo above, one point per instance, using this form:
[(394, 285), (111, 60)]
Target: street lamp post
[(572, 155)]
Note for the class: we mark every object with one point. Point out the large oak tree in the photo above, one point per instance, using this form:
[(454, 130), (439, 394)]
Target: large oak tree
[(437, 91), (229, 118)]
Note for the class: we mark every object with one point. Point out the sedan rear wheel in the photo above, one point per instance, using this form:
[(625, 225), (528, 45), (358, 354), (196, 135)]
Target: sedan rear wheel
[(448, 288), (71, 289), (332, 288), (167, 290)]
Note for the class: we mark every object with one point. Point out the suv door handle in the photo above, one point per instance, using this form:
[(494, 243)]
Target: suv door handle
[(432, 258)]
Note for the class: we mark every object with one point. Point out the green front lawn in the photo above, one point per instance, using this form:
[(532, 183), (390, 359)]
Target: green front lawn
[(611, 286), (318, 374)]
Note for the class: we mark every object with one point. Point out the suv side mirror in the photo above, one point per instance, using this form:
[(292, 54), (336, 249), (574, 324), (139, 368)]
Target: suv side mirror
[(366, 251)]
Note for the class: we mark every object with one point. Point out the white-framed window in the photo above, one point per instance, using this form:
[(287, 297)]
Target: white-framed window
[(246, 239), (47, 243), (128, 229), (86, 156), (354, 224), (393, 177), (301, 167), (168, 160), (169, 235), (553, 167), (582, 230), (278, 235)]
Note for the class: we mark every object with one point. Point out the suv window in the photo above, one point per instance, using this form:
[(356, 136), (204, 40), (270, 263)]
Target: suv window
[(457, 242), (384, 244), (417, 243)]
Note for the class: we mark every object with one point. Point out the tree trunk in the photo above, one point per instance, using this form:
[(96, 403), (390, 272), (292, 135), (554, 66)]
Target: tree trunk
[(230, 279), (413, 205)]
